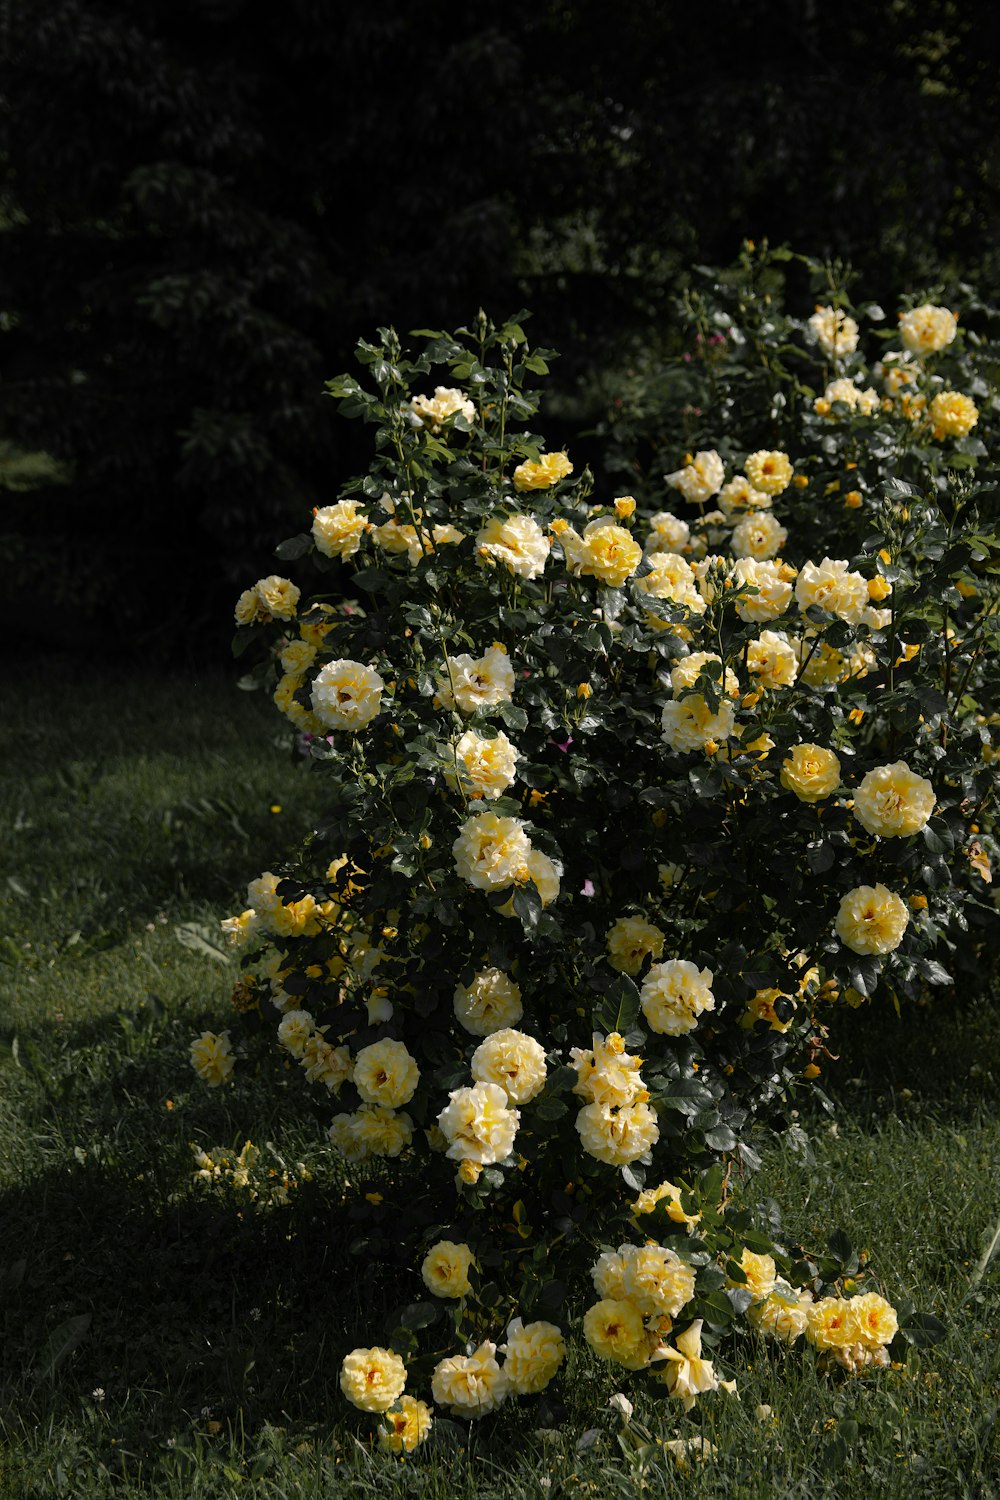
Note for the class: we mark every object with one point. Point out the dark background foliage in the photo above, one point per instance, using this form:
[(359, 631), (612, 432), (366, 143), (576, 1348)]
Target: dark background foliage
[(206, 202)]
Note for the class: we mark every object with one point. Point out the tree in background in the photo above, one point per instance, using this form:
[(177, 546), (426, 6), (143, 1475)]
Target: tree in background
[(204, 201)]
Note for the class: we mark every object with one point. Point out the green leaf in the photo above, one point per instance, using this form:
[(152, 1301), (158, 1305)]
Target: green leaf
[(619, 1007), (419, 1314), (295, 546), (201, 940)]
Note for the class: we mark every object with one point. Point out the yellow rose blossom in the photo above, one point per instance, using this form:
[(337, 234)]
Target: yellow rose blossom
[(478, 1124), (347, 695), (607, 1074), (875, 1320), (239, 930), (470, 1385), (386, 1073), (608, 1272), (760, 1007), (831, 1323), (549, 469), (544, 875), (669, 1195), (670, 577), (295, 1030), (404, 1426), (769, 470), (783, 1314), (738, 498), (624, 507), (761, 1274), (686, 1374), (372, 1130), (689, 723), (631, 941), (487, 767), (605, 551), (865, 403), (759, 535), (667, 533), (337, 529), (834, 330), (614, 1330), (685, 673), (326, 1064), (445, 1269), (701, 477), (658, 1281), (811, 772), (893, 802), (297, 657), (771, 661), (532, 1355), (952, 415), (212, 1057), (617, 1135), (871, 919), (518, 542), (476, 682), (514, 1061), (773, 586), (434, 411), (832, 587), (927, 329), (674, 994), (372, 1379), (491, 852), (490, 1002), (879, 588)]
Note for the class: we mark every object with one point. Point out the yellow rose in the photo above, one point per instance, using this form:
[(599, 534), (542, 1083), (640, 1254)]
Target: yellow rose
[(337, 529), (405, 1426), (670, 577), (386, 1073), (372, 1379), (326, 1064), (487, 767), (759, 535), (445, 1269), (532, 1355), (295, 1030), (614, 1330), (516, 541), (491, 1002), (608, 1272), (774, 589), (212, 1057), (347, 695), (491, 852), (297, 657), (811, 772), (952, 415), (926, 329), (631, 941), (871, 919), (470, 1385), (605, 551), (549, 469), (769, 470), (830, 1323), (834, 331), (617, 1136), (689, 724), (667, 533), (771, 661), (832, 587), (249, 609), (608, 1075), (657, 1281), (278, 595), (761, 1274), (686, 1375), (699, 480), (434, 411), (514, 1061), (478, 1125), (686, 672), (783, 1313), (670, 1195), (892, 801), (624, 507), (372, 1130), (476, 682), (875, 1320), (865, 403), (760, 1007), (674, 994)]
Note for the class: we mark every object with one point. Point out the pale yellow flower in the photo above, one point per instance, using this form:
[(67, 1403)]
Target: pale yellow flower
[(212, 1057), (297, 657), (337, 529), (769, 470), (386, 1073), (702, 478), (326, 1064), (491, 852), (490, 1002), (875, 1319), (674, 994), (893, 801), (372, 1379), (549, 469), (759, 535), (865, 402), (487, 767), (445, 1269), (518, 542), (833, 587), (614, 1330), (927, 329), (871, 919), (478, 681), (834, 331), (470, 1385), (617, 1136), (434, 411), (811, 772), (670, 1195), (372, 1130), (783, 1313), (532, 1355), (761, 1274), (478, 1124), (771, 660), (606, 552), (513, 1060), (295, 1030), (685, 673), (689, 724), (667, 533), (405, 1426), (607, 1074), (631, 941), (772, 580), (760, 1007), (608, 1272), (686, 1374), (831, 1323), (241, 929), (739, 496), (670, 577), (658, 1281), (820, 665), (952, 415), (346, 694)]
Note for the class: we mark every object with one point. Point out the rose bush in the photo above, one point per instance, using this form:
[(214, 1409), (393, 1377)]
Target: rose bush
[(615, 816)]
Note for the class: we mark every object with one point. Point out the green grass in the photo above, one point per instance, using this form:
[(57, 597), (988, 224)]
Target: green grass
[(135, 813)]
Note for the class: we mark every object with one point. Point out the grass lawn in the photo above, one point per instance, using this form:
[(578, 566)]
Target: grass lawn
[(163, 1341)]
